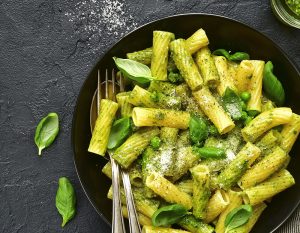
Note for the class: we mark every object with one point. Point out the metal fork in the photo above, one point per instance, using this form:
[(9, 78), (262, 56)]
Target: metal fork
[(117, 220)]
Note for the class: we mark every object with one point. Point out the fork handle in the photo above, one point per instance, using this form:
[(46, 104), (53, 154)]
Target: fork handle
[(117, 220), (134, 225)]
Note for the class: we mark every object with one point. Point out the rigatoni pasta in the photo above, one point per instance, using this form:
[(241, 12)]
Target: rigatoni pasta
[(160, 117), (186, 64), (213, 110), (265, 121), (200, 135), (207, 67), (269, 188), (99, 141), (290, 133), (159, 59), (167, 190)]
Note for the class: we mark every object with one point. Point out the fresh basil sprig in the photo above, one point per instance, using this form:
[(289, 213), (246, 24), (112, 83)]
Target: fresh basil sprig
[(272, 86), (198, 129), (134, 70), (119, 132), (237, 217), (168, 215), (65, 200), (238, 56), (232, 104), (46, 131)]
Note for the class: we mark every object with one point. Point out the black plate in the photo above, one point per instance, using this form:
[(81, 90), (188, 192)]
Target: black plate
[(222, 33)]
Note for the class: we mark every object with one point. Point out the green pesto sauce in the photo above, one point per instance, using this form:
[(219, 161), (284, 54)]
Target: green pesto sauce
[(294, 5)]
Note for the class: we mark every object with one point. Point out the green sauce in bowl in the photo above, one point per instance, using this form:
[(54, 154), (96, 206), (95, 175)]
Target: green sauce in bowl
[(294, 5), (287, 11)]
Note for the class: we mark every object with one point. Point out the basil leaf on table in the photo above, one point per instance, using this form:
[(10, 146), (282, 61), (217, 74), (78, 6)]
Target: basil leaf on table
[(238, 56), (46, 131), (119, 132), (198, 129), (134, 70), (65, 200), (237, 217), (210, 152), (168, 215), (232, 104), (272, 86)]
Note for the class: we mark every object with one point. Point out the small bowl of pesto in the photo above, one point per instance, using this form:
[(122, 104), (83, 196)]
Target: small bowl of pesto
[(287, 11)]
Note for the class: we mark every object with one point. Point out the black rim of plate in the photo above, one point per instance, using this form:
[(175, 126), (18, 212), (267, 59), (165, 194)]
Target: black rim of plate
[(144, 25)]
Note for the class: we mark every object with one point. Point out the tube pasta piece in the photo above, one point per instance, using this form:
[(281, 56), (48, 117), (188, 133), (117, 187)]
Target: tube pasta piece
[(268, 142), (185, 159), (151, 229), (265, 121), (145, 206), (106, 170), (167, 190), (243, 75), (160, 117), (269, 188), (213, 110), (197, 41), (124, 105), (169, 135), (143, 220), (134, 146), (201, 190), (144, 98), (183, 90), (263, 169), (207, 67), (290, 133), (186, 64), (100, 136), (226, 80), (216, 205), (237, 167), (162, 87), (160, 49), (255, 86), (186, 186), (135, 175), (194, 225), (142, 56), (247, 227), (235, 201)]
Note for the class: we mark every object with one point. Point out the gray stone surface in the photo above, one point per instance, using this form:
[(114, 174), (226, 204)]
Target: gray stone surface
[(47, 47)]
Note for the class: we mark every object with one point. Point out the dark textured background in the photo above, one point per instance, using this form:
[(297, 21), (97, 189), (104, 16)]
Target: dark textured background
[(47, 47)]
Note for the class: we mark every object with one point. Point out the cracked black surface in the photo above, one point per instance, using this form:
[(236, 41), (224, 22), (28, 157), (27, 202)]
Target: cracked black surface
[(44, 59)]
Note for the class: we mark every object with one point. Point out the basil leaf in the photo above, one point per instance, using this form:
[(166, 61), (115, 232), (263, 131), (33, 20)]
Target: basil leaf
[(65, 200), (168, 215), (46, 131), (134, 70), (232, 104), (221, 52), (272, 86), (238, 217), (210, 152), (119, 132), (198, 129), (238, 56)]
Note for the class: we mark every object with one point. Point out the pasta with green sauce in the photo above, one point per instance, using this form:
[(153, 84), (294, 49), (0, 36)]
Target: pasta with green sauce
[(201, 134)]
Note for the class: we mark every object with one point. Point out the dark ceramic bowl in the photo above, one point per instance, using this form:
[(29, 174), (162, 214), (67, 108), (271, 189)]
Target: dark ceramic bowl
[(222, 33)]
